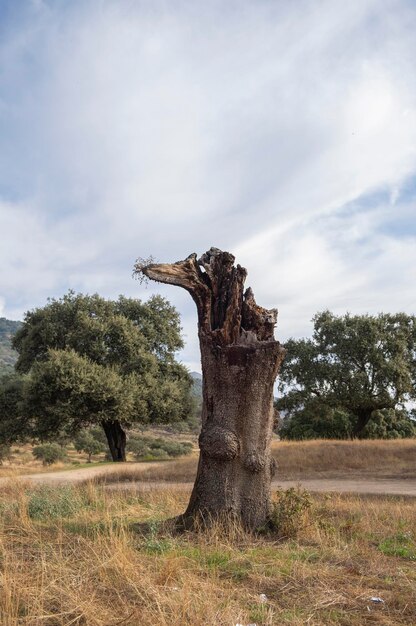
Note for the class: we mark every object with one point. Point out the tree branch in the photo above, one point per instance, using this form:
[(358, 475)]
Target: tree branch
[(217, 287), (186, 274)]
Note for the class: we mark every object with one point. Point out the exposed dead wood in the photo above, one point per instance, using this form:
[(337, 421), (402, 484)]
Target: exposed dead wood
[(240, 360)]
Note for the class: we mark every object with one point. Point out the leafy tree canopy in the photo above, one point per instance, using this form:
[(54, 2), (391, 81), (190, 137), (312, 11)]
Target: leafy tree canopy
[(126, 333), (97, 361), (13, 426), (70, 392), (353, 370)]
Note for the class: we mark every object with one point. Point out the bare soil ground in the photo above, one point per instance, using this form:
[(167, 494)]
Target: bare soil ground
[(382, 486)]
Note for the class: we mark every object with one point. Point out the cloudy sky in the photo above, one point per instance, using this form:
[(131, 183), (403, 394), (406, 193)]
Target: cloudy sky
[(284, 132)]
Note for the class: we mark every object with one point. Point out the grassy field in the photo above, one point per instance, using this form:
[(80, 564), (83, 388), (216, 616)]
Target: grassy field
[(22, 460), (305, 459), (70, 556), (376, 458), (296, 460)]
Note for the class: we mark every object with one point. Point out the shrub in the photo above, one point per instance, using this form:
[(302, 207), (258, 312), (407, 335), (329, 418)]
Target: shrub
[(288, 513), (156, 453), (146, 448), (49, 453), (138, 446), (178, 427), (316, 422), (86, 441), (172, 448), (389, 424)]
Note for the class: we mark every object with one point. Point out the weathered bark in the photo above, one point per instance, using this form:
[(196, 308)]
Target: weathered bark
[(116, 438), (240, 360)]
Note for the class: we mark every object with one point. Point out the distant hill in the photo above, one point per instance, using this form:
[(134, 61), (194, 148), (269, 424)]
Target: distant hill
[(197, 385), (8, 356)]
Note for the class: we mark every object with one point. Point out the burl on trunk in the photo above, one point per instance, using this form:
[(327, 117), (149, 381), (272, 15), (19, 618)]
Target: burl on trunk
[(240, 360)]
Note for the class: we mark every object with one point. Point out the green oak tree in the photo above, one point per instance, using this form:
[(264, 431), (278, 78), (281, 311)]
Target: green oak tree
[(95, 361), (351, 379), (13, 426)]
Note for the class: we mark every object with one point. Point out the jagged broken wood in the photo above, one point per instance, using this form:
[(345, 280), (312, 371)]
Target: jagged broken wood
[(240, 360)]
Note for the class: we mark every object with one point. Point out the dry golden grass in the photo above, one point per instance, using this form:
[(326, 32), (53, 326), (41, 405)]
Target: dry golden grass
[(380, 458), (22, 461), (70, 556), (296, 460), (182, 470), (301, 459)]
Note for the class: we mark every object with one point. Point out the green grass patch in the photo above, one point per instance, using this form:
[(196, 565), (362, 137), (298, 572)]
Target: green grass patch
[(402, 545), (155, 545), (52, 503), (260, 613)]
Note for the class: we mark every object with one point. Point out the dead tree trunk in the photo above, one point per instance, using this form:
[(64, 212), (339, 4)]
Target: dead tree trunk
[(116, 438), (240, 361)]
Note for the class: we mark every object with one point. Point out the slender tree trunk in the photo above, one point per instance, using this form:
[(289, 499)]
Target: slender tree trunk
[(240, 361), (116, 438)]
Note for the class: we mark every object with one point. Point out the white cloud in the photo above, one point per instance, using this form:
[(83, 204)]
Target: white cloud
[(343, 262), (130, 129)]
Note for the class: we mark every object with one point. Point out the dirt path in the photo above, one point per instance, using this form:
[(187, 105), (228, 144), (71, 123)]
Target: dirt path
[(381, 486), (71, 476), (337, 485)]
